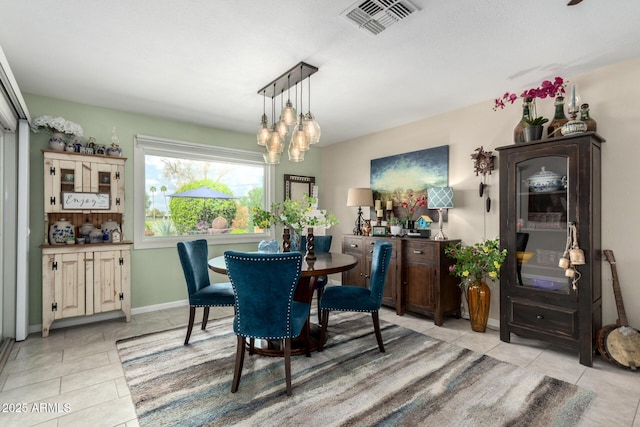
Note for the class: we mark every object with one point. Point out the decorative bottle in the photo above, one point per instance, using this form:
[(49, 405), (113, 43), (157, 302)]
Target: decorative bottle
[(559, 119), (518, 133), (584, 116)]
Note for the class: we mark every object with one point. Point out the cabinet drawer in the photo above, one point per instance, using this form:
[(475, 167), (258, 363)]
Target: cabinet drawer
[(550, 319), (421, 252), (372, 241), (352, 246)]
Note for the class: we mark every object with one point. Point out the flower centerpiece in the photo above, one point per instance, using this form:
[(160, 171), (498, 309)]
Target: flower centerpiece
[(473, 264), (58, 128), (52, 125), (411, 203), (294, 215)]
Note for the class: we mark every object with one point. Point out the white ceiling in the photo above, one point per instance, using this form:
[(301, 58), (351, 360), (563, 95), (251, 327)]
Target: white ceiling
[(203, 61)]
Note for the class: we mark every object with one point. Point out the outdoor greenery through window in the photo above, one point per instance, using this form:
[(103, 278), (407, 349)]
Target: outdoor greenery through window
[(197, 190)]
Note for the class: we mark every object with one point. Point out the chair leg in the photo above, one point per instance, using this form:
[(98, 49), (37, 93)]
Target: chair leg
[(205, 317), (320, 291), (287, 363), (252, 343), (376, 327), (237, 373), (307, 334), (323, 329), (192, 316)]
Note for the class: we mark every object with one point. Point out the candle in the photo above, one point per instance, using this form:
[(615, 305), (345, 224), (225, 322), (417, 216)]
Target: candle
[(379, 212), (389, 205), (574, 101), (377, 204)]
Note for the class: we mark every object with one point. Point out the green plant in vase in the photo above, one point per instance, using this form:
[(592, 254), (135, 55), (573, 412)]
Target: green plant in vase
[(473, 264), (294, 215)]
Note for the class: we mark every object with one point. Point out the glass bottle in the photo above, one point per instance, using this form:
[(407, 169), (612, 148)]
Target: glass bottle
[(518, 133), (559, 119), (584, 116)]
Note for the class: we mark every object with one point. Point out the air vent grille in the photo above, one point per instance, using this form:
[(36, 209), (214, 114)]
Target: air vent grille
[(374, 16)]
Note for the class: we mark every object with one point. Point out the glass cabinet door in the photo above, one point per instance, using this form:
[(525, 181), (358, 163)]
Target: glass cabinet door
[(541, 223)]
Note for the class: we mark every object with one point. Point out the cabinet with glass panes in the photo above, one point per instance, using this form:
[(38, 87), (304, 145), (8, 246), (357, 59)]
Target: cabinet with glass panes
[(546, 187)]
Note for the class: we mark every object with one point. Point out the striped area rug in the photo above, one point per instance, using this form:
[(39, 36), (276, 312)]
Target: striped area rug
[(418, 381)]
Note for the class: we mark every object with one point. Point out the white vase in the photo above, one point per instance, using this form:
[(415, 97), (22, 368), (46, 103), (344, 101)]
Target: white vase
[(61, 232), (396, 230), (57, 141)]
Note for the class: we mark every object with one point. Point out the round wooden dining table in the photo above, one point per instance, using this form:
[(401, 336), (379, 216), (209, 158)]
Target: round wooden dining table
[(325, 263)]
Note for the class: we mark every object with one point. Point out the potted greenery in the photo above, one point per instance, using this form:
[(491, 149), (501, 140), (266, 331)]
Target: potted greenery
[(533, 128), (293, 215), (473, 264), (396, 226)]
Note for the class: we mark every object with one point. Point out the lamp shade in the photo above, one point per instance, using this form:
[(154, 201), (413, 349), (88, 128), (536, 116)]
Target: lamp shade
[(440, 197), (360, 197)]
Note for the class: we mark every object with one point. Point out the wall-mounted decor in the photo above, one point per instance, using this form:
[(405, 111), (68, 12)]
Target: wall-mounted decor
[(398, 177), (295, 186), (93, 201)]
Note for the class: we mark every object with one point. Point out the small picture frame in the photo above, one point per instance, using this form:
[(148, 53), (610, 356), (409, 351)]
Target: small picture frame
[(379, 230)]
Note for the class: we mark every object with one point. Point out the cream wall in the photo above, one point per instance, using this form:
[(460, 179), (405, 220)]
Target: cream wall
[(612, 93)]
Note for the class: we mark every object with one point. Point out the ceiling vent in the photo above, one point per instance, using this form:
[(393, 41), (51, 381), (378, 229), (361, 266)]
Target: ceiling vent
[(375, 16)]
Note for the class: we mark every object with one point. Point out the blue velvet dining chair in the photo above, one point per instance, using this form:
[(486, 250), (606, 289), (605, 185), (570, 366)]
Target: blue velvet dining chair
[(194, 256), (264, 285), (355, 298), (321, 244)]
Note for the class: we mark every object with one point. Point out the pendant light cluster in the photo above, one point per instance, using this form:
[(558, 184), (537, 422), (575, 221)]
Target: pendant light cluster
[(298, 129)]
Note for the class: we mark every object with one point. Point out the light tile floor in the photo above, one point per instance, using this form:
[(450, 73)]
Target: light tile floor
[(74, 377)]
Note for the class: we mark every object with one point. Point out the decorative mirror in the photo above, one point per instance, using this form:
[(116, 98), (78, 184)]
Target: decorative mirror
[(296, 186)]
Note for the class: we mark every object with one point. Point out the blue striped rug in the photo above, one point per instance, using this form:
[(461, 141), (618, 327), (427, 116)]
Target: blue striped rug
[(418, 381)]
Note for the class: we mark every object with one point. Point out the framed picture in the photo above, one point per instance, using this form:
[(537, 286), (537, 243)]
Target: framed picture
[(296, 186), (379, 230), (86, 201)]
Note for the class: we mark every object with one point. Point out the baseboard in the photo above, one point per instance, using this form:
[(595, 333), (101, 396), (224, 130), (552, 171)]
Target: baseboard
[(99, 317)]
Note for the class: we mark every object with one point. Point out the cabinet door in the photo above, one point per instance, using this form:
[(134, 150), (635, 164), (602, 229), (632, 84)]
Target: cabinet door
[(60, 176), (69, 285), (353, 245), (107, 178), (392, 279), (420, 273), (543, 208), (107, 281)]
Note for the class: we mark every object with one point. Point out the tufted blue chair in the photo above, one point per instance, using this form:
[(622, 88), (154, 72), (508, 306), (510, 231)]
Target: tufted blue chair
[(355, 298), (194, 256), (322, 244), (264, 285)]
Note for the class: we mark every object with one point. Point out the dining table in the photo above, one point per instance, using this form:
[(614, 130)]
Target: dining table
[(324, 263)]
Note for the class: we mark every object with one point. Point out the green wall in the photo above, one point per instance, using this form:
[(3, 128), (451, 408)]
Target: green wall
[(156, 275)]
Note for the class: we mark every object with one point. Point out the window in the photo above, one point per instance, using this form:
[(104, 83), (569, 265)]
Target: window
[(183, 190)]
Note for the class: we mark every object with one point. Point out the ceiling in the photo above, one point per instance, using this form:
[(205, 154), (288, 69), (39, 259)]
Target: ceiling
[(203, 61)]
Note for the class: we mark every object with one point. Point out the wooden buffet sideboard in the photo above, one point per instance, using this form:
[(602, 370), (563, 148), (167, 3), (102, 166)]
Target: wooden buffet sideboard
[(418, 280)]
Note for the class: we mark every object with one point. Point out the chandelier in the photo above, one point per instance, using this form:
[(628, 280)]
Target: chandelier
[(296, 129)]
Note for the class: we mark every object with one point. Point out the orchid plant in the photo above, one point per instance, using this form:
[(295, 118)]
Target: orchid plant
[(546, 89)]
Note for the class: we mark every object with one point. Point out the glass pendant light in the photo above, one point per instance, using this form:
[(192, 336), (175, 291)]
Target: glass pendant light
[(295, 154), (281, 125), (271, 158), (289, 112), (311, 126), (299, 136), (263, 129), (275, 143)]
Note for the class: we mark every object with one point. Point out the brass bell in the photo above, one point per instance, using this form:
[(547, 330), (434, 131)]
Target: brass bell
[(576, 255)]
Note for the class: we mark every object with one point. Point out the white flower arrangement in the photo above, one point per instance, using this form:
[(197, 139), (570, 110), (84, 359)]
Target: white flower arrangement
[(56, 124)]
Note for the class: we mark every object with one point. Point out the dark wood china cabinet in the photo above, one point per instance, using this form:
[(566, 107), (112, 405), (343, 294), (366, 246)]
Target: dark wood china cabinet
[(544, 187)]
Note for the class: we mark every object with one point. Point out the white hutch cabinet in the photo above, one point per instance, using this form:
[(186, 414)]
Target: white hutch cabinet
[(84, 279)]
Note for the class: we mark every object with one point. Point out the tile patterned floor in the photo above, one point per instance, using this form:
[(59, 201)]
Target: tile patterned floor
[(74, 377)]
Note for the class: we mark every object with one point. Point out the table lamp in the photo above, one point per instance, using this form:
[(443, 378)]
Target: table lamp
[(440, 198), (359, 197)]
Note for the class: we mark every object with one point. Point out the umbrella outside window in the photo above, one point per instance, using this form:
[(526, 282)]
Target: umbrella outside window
[(203, 193)]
